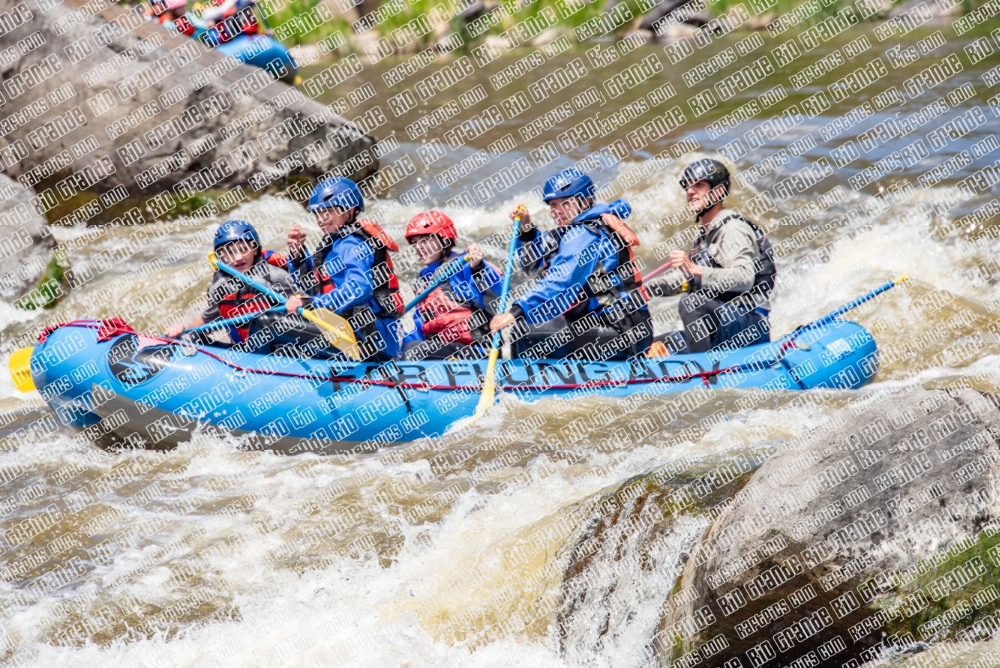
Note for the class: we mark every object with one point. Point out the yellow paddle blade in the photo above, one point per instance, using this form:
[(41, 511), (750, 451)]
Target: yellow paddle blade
[(336, 329), (489, 387), (486, 399), (20, 369)]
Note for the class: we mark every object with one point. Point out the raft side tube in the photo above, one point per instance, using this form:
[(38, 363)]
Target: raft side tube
[(164, 391)]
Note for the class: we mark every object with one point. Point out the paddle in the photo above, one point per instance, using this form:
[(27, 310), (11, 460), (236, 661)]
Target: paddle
[(449, 271), (833, 315), (489, 381), (19, 365), (238, 320), (335, 328), (656, 272)]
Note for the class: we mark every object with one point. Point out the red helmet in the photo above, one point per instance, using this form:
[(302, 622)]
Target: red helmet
[(431, 222)]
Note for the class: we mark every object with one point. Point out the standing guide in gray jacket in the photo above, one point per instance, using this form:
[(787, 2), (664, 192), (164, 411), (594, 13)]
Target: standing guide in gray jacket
[(728, 275)]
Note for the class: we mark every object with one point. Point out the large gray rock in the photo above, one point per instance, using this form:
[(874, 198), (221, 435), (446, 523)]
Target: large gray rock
[(25, 242), (877, 530), (95, 98)]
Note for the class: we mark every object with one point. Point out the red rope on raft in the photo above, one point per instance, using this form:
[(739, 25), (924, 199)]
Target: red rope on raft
[(107, 329)]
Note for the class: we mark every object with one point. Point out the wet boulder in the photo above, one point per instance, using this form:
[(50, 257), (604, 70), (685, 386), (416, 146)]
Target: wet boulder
[(95, 98), (876, 531), (659, 15), (26, 247), (624, 561)]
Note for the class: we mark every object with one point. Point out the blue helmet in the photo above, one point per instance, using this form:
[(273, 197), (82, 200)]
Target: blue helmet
[(235, 230), (569, 183), (336, 192)]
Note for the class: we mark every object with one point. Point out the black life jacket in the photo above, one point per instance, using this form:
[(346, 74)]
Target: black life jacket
[(386, 284), (600, 285), (541, 249), (764, 267)]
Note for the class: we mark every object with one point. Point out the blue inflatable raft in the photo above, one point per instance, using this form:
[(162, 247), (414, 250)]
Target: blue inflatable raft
[(154, 392), (264, 52)]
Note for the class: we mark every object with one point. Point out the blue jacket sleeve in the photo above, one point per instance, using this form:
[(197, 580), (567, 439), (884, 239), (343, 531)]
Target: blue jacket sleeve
[(349, 264), (579, 253)]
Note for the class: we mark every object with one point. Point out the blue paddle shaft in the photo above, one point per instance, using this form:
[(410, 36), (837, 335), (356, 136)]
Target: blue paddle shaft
[(508, 272), (833, 315), (449, 271), (830, 317), (259, 287), (238, 320)]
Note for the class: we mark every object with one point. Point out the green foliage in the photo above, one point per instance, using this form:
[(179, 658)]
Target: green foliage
[(173, 206), (192, 204), (49, 289), (569, 14), (296, 8), (414, 9), (827, 7)]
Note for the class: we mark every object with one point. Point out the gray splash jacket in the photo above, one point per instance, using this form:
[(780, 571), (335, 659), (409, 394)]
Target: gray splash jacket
[(730, 262)]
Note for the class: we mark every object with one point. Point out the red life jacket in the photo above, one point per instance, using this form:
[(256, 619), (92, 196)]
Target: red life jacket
[(237, 21), (275, 259), (386, 284), (241, 301), (386, 291), (444, 317)]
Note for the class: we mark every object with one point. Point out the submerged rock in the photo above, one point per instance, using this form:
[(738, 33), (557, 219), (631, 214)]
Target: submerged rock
[(101, 100), (877, 531)]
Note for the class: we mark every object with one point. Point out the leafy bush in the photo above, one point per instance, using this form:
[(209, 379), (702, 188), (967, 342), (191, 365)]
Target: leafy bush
[(296, 8)]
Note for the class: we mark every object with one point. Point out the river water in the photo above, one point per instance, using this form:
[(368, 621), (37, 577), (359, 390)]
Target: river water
[(454, 552)]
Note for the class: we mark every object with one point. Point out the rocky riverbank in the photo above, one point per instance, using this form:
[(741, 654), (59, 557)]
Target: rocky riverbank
[(380, 30), (106, 102), (107, 118)]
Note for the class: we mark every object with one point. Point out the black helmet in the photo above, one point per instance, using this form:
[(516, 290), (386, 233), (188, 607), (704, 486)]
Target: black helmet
[(711, 171)]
